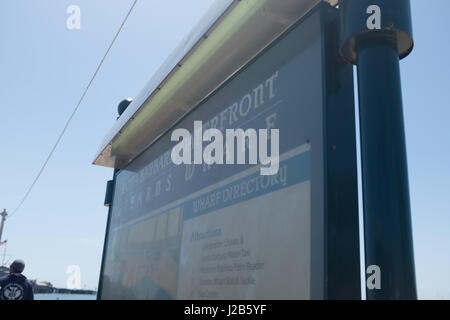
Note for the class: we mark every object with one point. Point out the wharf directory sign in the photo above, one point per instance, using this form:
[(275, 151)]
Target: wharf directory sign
[(226, 231)]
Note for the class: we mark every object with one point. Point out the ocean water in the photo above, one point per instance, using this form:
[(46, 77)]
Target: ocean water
[(62, 296)]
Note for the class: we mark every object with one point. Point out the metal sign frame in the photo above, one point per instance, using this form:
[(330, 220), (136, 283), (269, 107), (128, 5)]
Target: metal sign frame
[(339, 272)]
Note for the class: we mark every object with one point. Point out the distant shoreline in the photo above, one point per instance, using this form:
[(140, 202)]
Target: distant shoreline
[(65, 296)]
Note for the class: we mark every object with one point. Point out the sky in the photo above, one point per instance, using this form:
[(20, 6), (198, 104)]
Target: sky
[(426, 101), (45, 67)]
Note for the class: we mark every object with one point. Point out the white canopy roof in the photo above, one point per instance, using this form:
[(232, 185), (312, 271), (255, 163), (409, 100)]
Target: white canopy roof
[(229, 35)]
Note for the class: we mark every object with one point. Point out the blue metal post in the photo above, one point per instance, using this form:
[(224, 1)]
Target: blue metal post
[(377, 33), (387, 219)]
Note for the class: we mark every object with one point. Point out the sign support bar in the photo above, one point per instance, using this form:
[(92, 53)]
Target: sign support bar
[(377, 35)]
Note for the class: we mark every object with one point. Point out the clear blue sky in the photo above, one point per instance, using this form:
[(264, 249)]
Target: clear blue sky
[(45, 67)]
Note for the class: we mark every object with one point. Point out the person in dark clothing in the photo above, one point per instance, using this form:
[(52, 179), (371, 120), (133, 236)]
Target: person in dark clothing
[(15, 286)]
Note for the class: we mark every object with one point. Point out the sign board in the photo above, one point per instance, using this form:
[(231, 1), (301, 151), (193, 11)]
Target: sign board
[(228, 232)]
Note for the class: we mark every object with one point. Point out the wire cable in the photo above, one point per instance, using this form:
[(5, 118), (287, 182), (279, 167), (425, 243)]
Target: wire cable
[(73, 113)]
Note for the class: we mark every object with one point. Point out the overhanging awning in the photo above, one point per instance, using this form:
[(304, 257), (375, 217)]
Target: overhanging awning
[(228, 36)]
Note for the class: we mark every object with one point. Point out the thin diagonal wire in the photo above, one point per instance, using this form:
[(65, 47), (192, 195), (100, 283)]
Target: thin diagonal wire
[(73, 113)]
